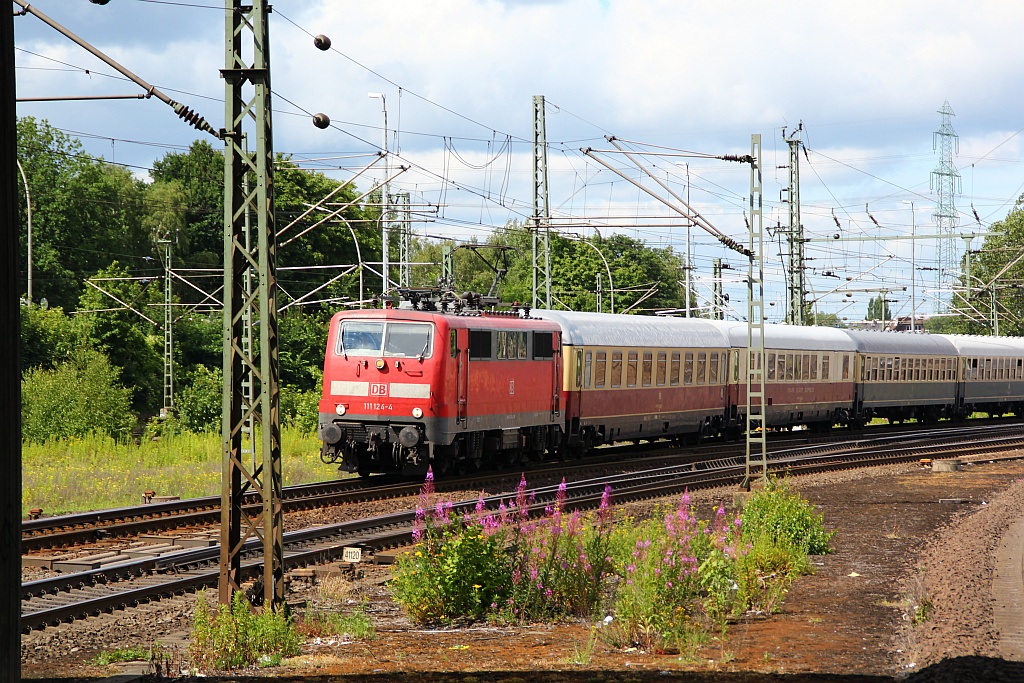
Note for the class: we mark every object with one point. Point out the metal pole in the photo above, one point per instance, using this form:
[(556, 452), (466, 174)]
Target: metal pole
[(689, 263), (10, 372), (168, 407), (541, 212), (599, 307), (28, 209), (247, 101), (756, 463), (913, 268), (795, 235), (385, 209)]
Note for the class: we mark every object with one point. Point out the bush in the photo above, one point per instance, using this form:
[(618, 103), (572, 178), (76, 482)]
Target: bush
[(677, 578), (75, 399), (502, 564), (782, 515), (300, 409), (234, 636), (200, 404)]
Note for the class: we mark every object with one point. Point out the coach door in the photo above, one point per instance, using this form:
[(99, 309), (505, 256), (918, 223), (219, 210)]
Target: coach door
[(556, 374)]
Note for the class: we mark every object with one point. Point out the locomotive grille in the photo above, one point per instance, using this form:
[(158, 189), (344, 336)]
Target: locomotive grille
[(353, 430)]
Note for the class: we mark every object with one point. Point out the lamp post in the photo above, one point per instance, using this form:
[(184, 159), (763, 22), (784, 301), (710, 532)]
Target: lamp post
[(28, 208), (611, 284), (913, 265), (385, 197)]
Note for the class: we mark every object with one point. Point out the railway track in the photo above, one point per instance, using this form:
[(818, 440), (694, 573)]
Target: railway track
[(67, 531), (82, 594)]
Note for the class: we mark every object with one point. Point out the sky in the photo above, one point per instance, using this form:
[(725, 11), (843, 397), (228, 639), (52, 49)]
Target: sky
[(680, 81)]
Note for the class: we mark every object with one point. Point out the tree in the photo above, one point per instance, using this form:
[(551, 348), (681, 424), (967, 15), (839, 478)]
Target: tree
[(997, 276), (74, 399), (878, 308), (128, 339), (85, 213)]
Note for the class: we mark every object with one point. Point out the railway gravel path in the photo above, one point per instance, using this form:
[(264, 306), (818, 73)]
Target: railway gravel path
[(905, 535)]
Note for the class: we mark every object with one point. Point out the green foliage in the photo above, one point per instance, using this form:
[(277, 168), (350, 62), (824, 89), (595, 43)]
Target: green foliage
[(503, 565), (49, 337), (878, 308), (677, 578), (301, 409), (766, 571), (75, 399), (233, 636), (135, 653), (200, 404), (787, 519), (354, 626), (131, 342), (96, 472), (303, 339)]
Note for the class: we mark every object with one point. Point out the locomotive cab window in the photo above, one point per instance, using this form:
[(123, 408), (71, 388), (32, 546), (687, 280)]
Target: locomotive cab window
[(394, 339)]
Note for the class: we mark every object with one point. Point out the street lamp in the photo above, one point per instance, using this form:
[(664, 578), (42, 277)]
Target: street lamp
[(611, 284), (385, 196), (28, 207), (913, 264)]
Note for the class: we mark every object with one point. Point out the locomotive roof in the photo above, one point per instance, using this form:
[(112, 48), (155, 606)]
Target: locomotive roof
[(809, 338), (902, 343), (606, 329), (971, 345)]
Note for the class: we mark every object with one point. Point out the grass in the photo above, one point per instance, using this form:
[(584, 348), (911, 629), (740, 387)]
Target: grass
[(135, 653), (96, 472)]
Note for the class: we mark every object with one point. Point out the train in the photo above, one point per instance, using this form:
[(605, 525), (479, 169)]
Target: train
[(459, 389)]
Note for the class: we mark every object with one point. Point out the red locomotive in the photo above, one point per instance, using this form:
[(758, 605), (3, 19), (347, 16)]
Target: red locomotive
[(404, 389)]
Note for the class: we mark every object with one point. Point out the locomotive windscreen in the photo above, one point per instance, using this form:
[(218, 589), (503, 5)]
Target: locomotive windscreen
[(401, 340)]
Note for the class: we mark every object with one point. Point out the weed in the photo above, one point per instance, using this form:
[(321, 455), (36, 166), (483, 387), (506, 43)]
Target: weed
[(354, 626), (136, 653), (782, 515), (234, 636), (767, 656), (583, 652), (728, 656)]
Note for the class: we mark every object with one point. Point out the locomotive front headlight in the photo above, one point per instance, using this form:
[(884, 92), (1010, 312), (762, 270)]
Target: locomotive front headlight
[(380, 363), (340, 409), (417, 412)]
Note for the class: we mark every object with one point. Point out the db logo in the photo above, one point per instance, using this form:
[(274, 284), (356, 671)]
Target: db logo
[(378, 390), (511, 386)]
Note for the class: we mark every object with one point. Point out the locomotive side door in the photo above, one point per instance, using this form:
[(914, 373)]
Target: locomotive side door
[(461, 351), (556, 374)]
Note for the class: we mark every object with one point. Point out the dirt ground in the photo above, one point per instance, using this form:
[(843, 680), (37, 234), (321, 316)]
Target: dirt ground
[(909, 542)]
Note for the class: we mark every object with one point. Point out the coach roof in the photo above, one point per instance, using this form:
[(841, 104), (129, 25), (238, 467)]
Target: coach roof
[(795, 337), (605, 329), (970, 345), (896, 343)]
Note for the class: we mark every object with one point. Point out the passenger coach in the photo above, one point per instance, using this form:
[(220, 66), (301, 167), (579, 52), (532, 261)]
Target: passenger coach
[(632, 377)]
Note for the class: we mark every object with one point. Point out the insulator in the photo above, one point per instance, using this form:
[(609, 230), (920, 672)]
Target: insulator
[(321, 120), (322, 42), (193, 118)]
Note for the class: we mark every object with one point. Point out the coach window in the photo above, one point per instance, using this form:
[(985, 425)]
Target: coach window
[(825, 367), (631, 370), (662, 369), (771, 367), (673, 370), (646, 370), (814, 366), (973, 369), (702, 367), (806, 370), (791, 366), (798, 367), (723, 369), (897, 369), (588, 369), (1002, 366), (713, 369), (781, 374), (940, 369), (600, 364), (688, 368), (846, 366), (616, 369), (888, 369), (917, 369), (988, 369), (1020, 369)]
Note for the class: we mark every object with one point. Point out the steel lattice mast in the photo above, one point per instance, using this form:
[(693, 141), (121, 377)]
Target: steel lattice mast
[(945, 179), (247, 115)]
